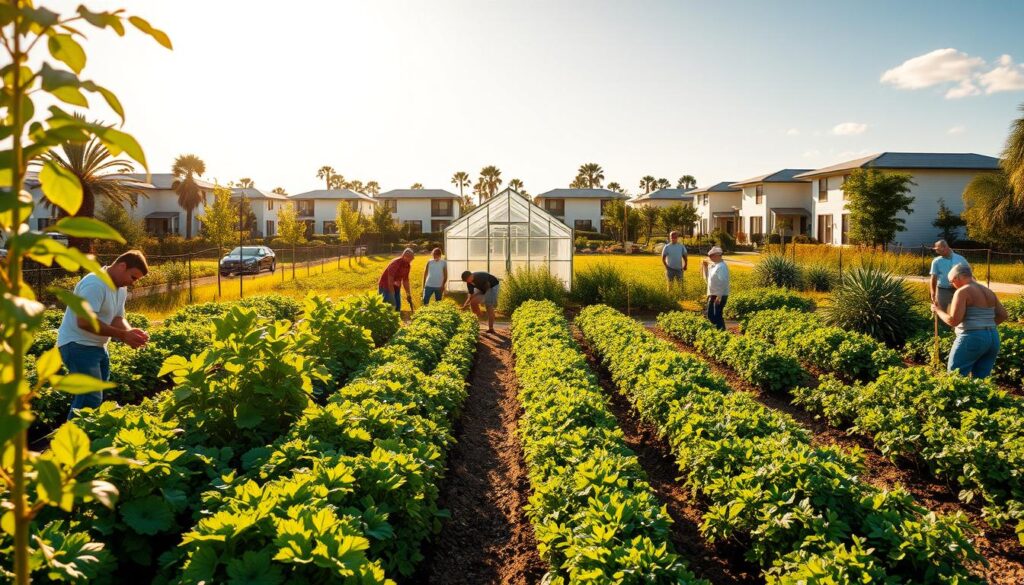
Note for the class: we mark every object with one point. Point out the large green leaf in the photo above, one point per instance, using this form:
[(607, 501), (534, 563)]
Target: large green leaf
[(81, 384), (61, 187), (66, 49), (49, 483), (149, 515), (158, 35), (87, 227), (78, 305), (254, 568), (70, 445), (48, 364), (118, 142)]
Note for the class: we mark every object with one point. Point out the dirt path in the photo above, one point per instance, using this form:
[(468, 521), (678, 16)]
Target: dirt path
[(1000, 548), (488, 538), (718, 563)]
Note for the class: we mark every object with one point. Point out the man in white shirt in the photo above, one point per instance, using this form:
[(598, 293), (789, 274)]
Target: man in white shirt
[(716, 273), (673, 257), (435, 277), (83, 349), (939, 285)]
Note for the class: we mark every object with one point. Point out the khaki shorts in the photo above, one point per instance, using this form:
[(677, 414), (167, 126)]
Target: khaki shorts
[(944, 296)]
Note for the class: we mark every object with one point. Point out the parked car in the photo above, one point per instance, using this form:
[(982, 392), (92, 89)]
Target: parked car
[(248, 260)]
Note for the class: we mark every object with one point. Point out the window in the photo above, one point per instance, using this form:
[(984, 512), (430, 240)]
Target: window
[(270, 205), (413, 226), (823, 189), (555, 207), (845, 229), (825, 229), (583, 225), (304, 208), (756, 226), (330, 228), (705, 199), (758, 196), (392, 205), (441, 207), (270, 229), (438, 225)]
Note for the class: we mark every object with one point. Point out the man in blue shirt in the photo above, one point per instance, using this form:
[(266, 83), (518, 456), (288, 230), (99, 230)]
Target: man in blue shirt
[(673, 256), (939, 285)]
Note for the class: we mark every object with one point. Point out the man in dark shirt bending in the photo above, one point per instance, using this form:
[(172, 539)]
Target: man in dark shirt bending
[(483, 288)]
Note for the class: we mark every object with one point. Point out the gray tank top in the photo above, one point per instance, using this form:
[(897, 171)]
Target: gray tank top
[(977, 318)]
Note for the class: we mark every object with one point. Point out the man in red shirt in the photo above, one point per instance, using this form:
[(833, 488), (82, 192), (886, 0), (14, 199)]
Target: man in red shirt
[(397, 275)]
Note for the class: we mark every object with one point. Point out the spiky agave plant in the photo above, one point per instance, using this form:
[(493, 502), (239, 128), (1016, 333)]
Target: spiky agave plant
[(777, 270), (874, 302), (819, 278)]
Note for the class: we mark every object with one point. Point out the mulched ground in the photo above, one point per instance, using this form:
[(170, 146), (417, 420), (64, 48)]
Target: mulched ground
[(1001, 548), (488, 538)]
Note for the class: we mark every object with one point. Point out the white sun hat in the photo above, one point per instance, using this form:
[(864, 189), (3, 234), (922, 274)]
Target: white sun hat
[(714, 250)]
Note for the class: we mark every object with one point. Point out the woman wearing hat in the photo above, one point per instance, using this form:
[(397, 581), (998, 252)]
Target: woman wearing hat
[(716, 273), (973, 313)]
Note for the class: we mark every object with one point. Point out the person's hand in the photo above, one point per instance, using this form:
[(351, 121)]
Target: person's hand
[(718, 301), (935, 307), (135, 338)]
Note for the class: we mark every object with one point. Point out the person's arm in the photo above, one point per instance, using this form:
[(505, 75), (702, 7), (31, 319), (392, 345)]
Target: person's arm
[(933, 284), (469, 295), (664, 257), (426, 269), (957, 309), (406, 283), (444, 279), (1001, 314), (686, 259)]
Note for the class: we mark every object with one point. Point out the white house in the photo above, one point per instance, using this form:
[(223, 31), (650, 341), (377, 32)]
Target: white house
[(319, 209), (774, 201), (421, 210), (580, 209), (664, 198), (939, 175), (264, 205), (718, 207)]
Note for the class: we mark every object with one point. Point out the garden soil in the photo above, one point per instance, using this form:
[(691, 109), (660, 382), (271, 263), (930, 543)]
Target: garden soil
[(488, 538)]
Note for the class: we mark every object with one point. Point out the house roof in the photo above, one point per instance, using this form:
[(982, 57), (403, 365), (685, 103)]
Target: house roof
[(667, 194), (783, 176), (254, 193), (161, 180), (581, 194), (723, 187), (967, 161), (332, 194), (417, 194)]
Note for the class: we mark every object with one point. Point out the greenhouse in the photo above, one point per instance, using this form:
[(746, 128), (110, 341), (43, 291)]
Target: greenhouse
[(506, 233)]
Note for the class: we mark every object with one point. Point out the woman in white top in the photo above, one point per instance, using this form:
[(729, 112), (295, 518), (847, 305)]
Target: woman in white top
[(435, 277), (716, 273)]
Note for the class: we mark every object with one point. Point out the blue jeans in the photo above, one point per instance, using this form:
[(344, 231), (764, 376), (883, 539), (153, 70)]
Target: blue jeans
[(392, 297), (714, 312), (79, 358), (431, 290), (974, 352)]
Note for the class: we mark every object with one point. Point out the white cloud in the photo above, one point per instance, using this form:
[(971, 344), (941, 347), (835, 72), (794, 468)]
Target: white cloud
[(965, 74), (793, 132), (957, 130), (812, 153), (849, 128)]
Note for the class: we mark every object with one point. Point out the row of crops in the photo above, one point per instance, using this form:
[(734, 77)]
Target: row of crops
[(305, 450)]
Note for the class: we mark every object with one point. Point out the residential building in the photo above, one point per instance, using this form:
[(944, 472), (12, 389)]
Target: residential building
[(664, 198), (774, 203), (937, 176), (580, 209), (264, 206), (319, 209), (718, 207), (421, 210)]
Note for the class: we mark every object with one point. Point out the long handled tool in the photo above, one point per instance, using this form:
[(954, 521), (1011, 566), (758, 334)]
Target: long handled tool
[(938, 358)]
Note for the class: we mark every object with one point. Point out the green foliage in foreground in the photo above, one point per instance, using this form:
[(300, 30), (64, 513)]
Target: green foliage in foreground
[(802, 510), (592, 509), (747, 301)]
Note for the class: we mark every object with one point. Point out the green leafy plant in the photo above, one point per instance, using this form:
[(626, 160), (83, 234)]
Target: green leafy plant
[(776, 270), (746, 302), (874, 302), (819, 278), (530, 284)]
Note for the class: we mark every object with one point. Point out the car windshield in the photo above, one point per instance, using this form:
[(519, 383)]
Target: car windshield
[(246, 251)]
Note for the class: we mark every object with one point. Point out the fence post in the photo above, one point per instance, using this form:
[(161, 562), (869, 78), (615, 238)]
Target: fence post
[(190, 274), (988, 268), (220, 254), (323, 255), (308, 260)]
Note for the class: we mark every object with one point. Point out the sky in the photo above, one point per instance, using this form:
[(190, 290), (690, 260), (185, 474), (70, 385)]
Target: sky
[(414, 90)]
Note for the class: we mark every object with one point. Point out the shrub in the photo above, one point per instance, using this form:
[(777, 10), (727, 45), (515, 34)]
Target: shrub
[(777, 270), (274, 307), (723, 239), (874, 302), (1015, 308), (530, 284), (372, 313), (1009, 368), (608, 284), (746, 302), (819, 278)]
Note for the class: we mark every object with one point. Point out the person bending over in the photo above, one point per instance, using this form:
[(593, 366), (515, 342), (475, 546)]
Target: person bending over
[(483, 289), (394, 276)]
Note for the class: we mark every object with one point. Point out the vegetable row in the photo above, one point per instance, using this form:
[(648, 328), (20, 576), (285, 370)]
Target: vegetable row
[(802, 511)]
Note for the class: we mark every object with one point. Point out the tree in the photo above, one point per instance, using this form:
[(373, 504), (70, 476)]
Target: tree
[(686, 182), (220, 221), (490, 177), (290, 230), (381, 221), (279, 191), (357, 186), (874, 199), (1013, 159), (592, 175), (649, 218), (99, 174), (350, 226), (461, 180), (663, 184), (417, 186), (372, 188), (679, 217), (647, 183), (185, 169), (612, 219), (613, 186), (326, 172), (579, 182), (949, 223), (990, 211), (116, 216), (517, 185), (246, 183), (337, 182)]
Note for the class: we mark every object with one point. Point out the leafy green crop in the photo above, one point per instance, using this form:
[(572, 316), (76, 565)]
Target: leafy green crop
[(743, 303)]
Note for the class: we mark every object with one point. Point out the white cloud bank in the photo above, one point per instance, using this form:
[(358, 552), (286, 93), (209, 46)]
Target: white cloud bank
[(849, 129), (966, 74)]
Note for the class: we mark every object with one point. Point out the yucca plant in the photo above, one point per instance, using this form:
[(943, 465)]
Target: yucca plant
[(777, 270), (874, 302), (819, 278)]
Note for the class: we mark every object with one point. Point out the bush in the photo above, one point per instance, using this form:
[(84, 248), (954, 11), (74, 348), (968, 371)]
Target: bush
[(530, 284), (276, 307), (607, 284), (744, 303), (819, 278), (723, 239), (1015, 308), (1009, 368), (777, 270), (371, 312), (874, 302)]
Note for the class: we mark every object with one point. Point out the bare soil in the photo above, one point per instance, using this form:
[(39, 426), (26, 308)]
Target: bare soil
[(488, 538), (1000, 548)]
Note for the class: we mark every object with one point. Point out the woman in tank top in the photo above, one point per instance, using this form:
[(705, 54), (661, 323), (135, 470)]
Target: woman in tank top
[(973, 313)]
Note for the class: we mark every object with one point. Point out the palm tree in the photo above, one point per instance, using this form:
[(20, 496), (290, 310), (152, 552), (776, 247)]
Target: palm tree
[(245, 182), (461, 180), (1013, 158), (185, 170), (613, 186), (417, 186), (279, 191), (491, 178), (991, 212), (337, 182), (357, 186), (516, 185), (326, 172), (647, 183), (480, 190), (580, 182), (686, 182), (100, 174), (663, 184), (372, 188), (593, 174)]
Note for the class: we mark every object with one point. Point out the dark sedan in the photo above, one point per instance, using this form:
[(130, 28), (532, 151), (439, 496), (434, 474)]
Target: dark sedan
[(248, 260)]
